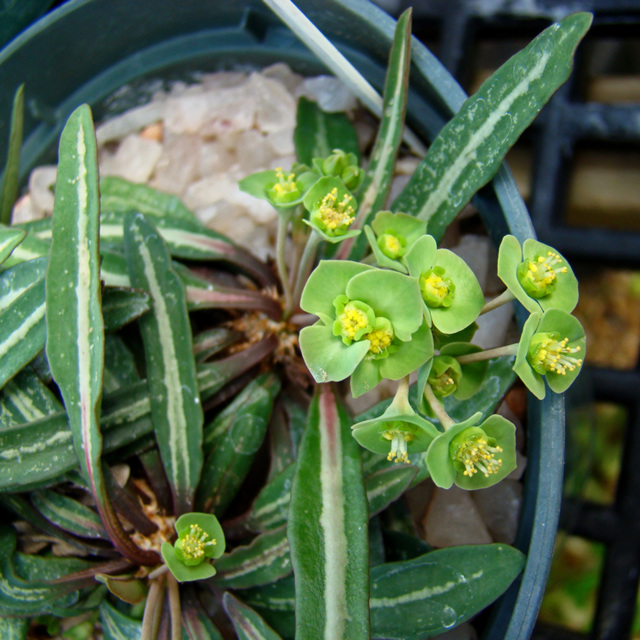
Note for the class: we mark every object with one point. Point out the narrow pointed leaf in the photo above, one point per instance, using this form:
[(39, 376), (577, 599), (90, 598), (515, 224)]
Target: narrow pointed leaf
[(248, 624), (120, 366), (30, 248), (166, 333), (117, 626), (264, 561), (17, 279), (271, 508), (195, 622), (121, 306), (387, 485), (276, 604), (14, 628), (10, 238), (377, 181), (75, 335), (318, 133), (428, 595), (9, 188), (470, 148), (69, 515), (328, 527), (22, 331), (26, 398)]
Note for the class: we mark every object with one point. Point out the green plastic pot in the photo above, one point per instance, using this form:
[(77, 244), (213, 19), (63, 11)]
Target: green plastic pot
[(87, 49)]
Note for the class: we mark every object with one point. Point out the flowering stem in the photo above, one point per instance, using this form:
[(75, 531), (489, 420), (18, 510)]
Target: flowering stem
[(306, 262), (284, 216), (503, 298), (174, 607), (488, 354), (401, 399), (152, 610), (438, 408)]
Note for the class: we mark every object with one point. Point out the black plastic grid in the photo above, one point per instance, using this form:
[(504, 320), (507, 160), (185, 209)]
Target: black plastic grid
[(452, 29)]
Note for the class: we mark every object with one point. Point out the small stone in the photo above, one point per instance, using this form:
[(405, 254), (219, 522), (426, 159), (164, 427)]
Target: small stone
[(41, 183), (177, 167), (24, 211), (186, 113), (254, 152), (453, 519), (135, 159), (499, 507), (275, 106), (329, 92), (215, 158), (154, 131), (131, 121), (230, 109), (281, 142), (281, 72), (493, 327)]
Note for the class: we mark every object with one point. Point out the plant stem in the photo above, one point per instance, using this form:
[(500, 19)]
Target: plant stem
[(401, 399), (503, 298), (284, 216), (438, 408), (488, 354), (174, 607), (306, 262), (152, 610)]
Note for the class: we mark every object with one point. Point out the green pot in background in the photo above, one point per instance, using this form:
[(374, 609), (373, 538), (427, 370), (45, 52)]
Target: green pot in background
[(87, 49)]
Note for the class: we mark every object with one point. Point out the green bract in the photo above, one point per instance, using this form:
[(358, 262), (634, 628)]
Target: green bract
[(200, 537), (473, 373), (399, 431), (552, 346), (452, 296), (281, 188), (392, 235), (472, 455), (331, 209), (537, 275), (342, 165), (445, 376), (370, 326)]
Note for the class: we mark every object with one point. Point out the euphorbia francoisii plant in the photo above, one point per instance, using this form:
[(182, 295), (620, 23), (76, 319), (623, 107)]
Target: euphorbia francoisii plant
[(176, 455)]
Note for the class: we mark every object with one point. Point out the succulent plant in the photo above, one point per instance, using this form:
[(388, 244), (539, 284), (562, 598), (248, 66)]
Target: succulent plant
[(176, 455)]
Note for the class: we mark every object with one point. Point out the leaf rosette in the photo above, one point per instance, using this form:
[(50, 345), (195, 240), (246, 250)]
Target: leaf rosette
[(552, 348), (370, 326), (451, 293), (537, 275), (472, 455)]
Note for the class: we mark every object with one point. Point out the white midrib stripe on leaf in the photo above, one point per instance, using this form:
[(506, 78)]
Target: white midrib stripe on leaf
[(271, 507), (21, 332), (424, 593), (332, 524), (441, 194), (83, 297), (23, 403), (41, 445), (268, 557), (175, 410)]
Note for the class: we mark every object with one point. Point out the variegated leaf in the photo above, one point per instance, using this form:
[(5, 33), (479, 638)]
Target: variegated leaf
[(247, 623), (9, 189), (328, 528), (166, 333)]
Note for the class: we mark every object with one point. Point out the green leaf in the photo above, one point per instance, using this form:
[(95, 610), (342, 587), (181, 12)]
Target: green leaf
[(69, 515), (121, 306), (428, 595), (10, 238), (166, 333), (264, 561), (469, 150), (22, 330), (30, 248), (271, 508), (387, 485), (26, 398), (14, 628), (9, 188), (117, 626), (247, 623), (195, 621), (17, 279), (318, 133), (379, 173), (119, 365), (328, 527)]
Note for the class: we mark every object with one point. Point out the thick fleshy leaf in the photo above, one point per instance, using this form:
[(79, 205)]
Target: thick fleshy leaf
[(318, 133), (14, 628), (9, 188), (10, 238), (30, 248), (26, 398), (276, 604), (166, 333), (117, 626), (387, 485), (271, 508), (120, 366), (17, 279), (264, 561), (435, 592), (121, 306), (374, 189), (195, 621), (68, 514), (328, 527), (22, 330), (469, 150), (247, 623)]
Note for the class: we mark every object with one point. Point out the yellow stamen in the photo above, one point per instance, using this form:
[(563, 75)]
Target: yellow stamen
[(336, 214), (477, 455), (399, 441), (379, 339), (195, 543), (555, 356), (352, 320)]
